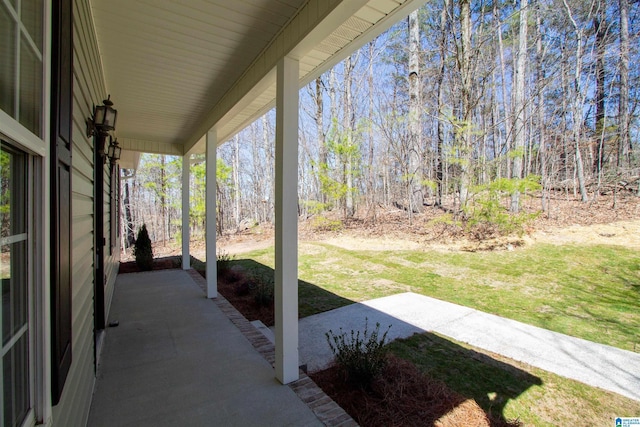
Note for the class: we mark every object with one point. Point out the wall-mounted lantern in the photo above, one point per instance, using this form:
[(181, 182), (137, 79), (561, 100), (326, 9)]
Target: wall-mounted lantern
[(114, 151), (102, 121)]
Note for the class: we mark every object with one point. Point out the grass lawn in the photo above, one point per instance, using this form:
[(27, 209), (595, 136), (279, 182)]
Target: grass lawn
[(590, 292), (512, 389)]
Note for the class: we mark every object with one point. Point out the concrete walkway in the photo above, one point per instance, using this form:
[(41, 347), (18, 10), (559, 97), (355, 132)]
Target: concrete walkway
[(177, 360), (595, 364)]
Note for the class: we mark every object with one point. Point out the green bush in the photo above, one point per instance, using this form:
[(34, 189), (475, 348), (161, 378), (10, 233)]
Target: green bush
[(486, 215), (142, 250), (321, 223), (361, 356), (223, 262), (262, 287)]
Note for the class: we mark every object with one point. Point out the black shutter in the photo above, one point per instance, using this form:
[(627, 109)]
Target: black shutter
[(61, 116)]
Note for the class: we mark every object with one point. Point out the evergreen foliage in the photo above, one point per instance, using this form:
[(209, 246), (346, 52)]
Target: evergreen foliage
[(487, 212), (142, 250), (361, 356)]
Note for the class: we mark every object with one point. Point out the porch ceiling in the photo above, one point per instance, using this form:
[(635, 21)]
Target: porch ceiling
[(175, 69)]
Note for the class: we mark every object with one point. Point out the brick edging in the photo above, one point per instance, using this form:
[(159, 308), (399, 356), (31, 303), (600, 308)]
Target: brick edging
[(324, 408)]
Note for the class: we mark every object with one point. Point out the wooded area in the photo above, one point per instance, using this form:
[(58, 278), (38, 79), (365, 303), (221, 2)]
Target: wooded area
[(464, 103)]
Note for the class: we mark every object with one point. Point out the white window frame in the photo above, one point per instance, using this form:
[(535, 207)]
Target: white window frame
[(32, 330), (39, 153), (42, 54)]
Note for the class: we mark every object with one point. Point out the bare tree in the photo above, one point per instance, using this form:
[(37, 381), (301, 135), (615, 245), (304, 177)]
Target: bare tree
[(414, 180), (348, 124), (519, 103), (623, 106), (465, 126), (320, 135), (540, 76), (599, 28), (577, 101), (443, 42)]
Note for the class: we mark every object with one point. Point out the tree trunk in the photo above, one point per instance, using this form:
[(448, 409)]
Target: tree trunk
[(163, 203), (236, 181), (577, 106), (414, 179), (270, 171), (440, 104), (624, 147), (372, 176), (256, 180), (503, 76), (464, 61), (599, 27), (128, 217), (540, 76), (322, 148), (519, 104), (348, 135)]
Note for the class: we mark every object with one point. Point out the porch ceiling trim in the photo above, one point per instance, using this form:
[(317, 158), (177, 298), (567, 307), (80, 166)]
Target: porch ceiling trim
[(155, 147), (314, 22), (321, 35), (177, 69)]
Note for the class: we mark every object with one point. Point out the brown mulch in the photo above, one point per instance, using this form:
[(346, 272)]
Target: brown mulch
[(158, 264), (239, 289), (403, 396)]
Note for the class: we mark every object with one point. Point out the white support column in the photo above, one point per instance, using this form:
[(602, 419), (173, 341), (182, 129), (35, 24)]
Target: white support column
[(286, 210), (210, 207), (186, 171)]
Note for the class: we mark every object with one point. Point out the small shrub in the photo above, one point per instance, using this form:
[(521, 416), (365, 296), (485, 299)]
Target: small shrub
[(486, 215), (223, 262), (361, 356), (315, 207), (142, 250), (321, 223), (263, 290)]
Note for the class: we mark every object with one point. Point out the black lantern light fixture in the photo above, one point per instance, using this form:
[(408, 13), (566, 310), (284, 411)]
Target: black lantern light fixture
[(102, 121), (114, 151)]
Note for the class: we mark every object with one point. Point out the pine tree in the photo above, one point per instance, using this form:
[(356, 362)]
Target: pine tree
[(142, 250)]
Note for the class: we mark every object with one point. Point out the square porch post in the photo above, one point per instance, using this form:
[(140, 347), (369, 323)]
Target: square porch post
[(210, 207), (186, 170), (286, 230)]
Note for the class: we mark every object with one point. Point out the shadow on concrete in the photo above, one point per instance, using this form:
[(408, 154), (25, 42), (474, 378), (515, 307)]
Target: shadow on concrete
[(492, 383)]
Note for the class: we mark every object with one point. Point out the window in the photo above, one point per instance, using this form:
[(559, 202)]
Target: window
[(15, 364), (23, 56), (21, 61)]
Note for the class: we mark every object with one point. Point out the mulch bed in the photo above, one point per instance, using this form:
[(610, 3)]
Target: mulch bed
[(158, 264), (403, 396), (239, 289)]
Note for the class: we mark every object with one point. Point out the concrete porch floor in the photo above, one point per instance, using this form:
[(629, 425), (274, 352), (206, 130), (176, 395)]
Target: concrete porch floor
[(178, 359)]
